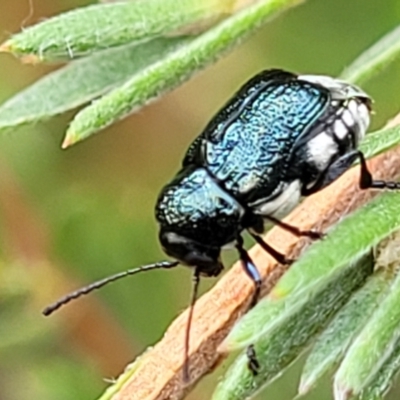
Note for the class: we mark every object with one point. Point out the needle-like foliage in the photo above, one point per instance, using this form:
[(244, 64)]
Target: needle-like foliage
[(124, 54)]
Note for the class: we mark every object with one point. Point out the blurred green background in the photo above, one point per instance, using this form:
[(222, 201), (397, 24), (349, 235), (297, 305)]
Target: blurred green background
[(69, 217)]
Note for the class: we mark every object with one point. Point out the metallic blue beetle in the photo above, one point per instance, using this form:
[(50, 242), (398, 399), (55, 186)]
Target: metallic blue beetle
[(282, 136)]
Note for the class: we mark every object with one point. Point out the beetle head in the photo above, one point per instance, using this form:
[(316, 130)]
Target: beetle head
[(192, 253)]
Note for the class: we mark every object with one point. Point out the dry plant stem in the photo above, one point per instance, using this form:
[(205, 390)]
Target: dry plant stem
[(159, 376)]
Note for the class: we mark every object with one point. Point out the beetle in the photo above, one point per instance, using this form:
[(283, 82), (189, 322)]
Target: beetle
[(281, 137)]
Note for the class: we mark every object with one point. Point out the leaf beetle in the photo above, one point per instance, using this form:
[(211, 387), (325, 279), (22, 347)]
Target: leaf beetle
[(282, 136)]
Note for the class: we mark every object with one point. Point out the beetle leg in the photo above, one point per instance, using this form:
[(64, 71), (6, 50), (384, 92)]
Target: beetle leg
[(254, 275), (366, 180), (312, 234), (250, 269), (340, 166), (281, 258), (252, 272), (336, 169)]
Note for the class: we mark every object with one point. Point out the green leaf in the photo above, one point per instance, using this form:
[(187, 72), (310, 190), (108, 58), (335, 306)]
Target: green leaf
[(288, 339), (82, 81), (383, 381), (116, 386), (375, 345), (377, 142), (172, 70), (350, 238), (100, 26), (363, 229), (336, 338), (373, 60)]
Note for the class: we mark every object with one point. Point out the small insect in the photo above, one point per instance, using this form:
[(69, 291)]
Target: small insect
[(282, 136)]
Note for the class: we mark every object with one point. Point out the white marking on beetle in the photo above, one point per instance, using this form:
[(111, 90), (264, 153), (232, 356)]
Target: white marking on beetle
[(361, 118), (322, 80), (364, 121), (340, 129), (339, 90), (348, 118), (281, 205), (321, 149), (354, 107)]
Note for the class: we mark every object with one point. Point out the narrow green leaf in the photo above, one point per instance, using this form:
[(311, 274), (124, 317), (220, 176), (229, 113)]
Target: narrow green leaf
[(362, 230), (374, 346), (82, 81), (350, 238), (100, 26), (116, 386), (172, 70), (336, 338), (290, 337), (377, 142), (383, 381), (373, 60)]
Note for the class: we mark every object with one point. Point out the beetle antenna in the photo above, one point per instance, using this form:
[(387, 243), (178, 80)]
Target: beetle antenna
[(196, 281), (98, 284)]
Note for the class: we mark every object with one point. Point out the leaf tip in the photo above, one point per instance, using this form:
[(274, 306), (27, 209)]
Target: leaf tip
[(30, 59), (304, 387), (9, 47), (342, 393), (6, 47), (225, 347), (232, 343), (70, 139)]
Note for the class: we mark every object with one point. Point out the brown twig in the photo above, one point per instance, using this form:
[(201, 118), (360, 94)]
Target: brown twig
[(159, 373)]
